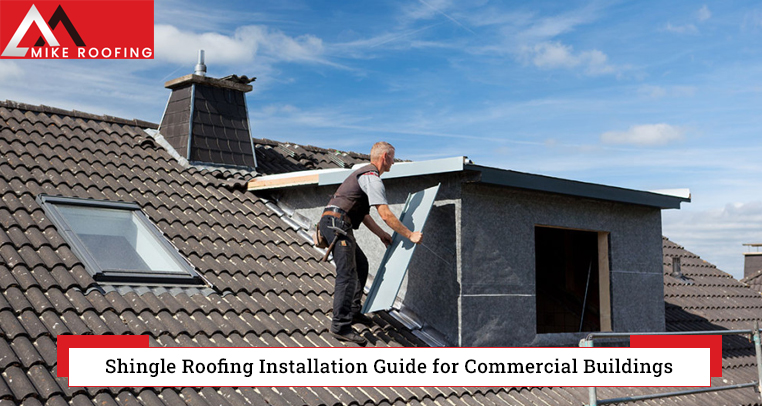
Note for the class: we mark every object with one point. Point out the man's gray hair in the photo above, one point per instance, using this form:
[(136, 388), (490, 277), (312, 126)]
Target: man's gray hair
[(379, 148)]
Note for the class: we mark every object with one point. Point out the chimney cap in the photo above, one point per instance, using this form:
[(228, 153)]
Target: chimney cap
[(205, 80)]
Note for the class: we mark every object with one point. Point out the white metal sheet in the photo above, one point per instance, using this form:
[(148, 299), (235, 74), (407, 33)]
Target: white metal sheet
[(388, 279), (399, 170)]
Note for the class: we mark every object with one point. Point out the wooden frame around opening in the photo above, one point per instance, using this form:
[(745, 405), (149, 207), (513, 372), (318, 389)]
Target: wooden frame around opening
[(604, 280)]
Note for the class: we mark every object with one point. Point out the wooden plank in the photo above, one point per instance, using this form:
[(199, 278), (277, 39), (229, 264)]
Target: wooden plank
[(604, 281), (264, 183)]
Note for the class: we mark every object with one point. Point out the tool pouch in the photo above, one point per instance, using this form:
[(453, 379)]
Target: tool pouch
[(317, 237)]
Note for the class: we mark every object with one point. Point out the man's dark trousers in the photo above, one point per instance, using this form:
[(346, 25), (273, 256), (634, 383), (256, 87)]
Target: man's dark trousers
[(351, 274)]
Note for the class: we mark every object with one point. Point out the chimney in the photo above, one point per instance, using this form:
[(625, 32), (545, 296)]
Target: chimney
[(206, 119), (752, 260), (677, 270)]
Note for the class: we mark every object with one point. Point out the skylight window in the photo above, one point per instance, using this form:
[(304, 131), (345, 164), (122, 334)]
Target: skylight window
[(117, 242)]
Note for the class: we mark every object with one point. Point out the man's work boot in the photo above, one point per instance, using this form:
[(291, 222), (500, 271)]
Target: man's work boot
[(351, 337), (362, 319)]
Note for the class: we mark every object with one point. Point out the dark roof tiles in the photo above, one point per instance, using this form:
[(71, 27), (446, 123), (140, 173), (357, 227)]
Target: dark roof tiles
[(275, 157), (27, 354), (20, 385), (7, 356), (10, 324), (271, 289)]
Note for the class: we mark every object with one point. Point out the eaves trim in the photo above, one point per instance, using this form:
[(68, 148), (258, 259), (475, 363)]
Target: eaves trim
[(504, 177)]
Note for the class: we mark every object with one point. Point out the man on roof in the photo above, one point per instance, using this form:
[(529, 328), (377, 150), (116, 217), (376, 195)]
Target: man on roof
[(350, 207)]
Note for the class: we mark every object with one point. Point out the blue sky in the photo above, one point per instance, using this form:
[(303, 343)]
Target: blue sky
[(641, 94)]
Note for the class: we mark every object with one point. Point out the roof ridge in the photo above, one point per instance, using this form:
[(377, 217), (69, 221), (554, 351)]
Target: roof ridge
[(310, 148), (755, 275), (11, 104)]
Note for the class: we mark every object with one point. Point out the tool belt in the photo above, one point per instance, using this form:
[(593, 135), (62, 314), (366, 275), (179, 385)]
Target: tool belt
[(338, 213), (317, 237)]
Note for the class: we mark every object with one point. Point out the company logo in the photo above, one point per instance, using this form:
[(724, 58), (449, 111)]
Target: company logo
[(76, 29)]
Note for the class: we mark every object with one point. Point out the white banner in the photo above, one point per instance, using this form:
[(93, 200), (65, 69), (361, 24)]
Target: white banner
[(389, 367)]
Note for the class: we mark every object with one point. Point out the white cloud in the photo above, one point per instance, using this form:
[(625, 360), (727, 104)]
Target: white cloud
[(644, 135), (701, 16), (10, 71), (683, 91), (544, 29), (655, 92), (182, 46), (429, 10), (425, 10), (752, 20), (703, 13), (596, 62), (682, 29), (243, 46), (658, 92), (554, 55)]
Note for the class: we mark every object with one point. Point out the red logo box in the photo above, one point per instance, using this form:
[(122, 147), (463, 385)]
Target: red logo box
[(63, 29)]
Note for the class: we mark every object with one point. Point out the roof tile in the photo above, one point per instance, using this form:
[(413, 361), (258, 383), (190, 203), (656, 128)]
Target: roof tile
[(6, 277), (47, 349), (7, 356), (21, 387), (5, 392), (38, 300), (114, 323), (58, 300), (79, 300), (105, 399), (113, 300), (192, 398), (31, 402), (25, 351), (24, 277), (44, 278), (214, 398), (32, 324), (44, 382), (54, 324), (17, 299), (252, 396), (64, 277)]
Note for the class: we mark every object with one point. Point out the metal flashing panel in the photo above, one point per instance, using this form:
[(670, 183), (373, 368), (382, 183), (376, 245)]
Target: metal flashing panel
[(388, 279), (402, 169)]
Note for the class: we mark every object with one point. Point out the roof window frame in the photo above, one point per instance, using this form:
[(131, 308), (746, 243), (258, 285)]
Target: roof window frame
[(187, 276)]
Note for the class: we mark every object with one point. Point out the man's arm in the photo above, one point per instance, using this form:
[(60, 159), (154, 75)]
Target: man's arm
[(392, 221), (377, 230)]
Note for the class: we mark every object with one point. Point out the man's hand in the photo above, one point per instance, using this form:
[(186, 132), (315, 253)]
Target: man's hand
[(386, 239), (392, 221)]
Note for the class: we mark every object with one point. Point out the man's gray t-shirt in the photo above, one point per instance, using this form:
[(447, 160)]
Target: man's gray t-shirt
[(371, 184)]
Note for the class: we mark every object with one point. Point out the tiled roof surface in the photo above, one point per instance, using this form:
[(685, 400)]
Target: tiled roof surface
[(270, 289), (275, 157), (706, 298), (754, 281)]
